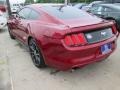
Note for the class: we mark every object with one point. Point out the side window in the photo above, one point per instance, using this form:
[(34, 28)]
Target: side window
[(24, 13), (108, 9), (34, 15), (100, 10), (94, 9)]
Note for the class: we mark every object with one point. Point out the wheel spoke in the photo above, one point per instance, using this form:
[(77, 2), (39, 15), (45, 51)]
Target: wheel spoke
[(31, 47), (37, 55), (38, 59)]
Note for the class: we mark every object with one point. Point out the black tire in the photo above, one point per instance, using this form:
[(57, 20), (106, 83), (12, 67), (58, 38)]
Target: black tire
[(36, 55), (11, 35)]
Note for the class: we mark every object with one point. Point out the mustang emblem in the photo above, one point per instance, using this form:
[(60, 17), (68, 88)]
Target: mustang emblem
[(103, 33)]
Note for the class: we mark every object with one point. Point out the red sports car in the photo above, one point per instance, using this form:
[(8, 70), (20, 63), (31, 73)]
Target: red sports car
[(63, 37)]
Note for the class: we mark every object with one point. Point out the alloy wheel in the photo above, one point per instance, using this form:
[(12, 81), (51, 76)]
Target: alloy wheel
[(34, 51)]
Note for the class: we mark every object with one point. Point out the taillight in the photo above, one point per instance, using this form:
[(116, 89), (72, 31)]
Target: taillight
[(75, 40)]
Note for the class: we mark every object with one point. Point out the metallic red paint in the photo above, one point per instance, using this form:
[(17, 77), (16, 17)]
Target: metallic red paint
[(49, 33)]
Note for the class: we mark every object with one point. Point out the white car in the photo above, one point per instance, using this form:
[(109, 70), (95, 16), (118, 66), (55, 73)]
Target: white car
[(15, 7), (3, 20)]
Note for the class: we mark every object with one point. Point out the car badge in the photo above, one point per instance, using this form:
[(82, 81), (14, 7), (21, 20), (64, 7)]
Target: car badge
[(103, 33)]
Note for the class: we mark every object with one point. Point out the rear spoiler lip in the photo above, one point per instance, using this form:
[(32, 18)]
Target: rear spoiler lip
[(92, 27)]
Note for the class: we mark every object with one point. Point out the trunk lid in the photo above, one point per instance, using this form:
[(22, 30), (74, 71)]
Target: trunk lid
[(73, 23)]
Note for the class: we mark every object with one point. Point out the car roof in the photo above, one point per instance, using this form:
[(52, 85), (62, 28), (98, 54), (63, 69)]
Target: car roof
[(41, 5), (115, 6)]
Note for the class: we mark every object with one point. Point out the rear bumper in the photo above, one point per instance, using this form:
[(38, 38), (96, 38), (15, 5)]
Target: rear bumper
[(64, 58), (86, 61)]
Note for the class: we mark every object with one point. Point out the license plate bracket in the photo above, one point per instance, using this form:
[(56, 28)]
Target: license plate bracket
[(106, 48)]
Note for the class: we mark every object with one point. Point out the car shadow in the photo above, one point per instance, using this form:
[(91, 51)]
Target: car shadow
[(2, 30), (86, 71)]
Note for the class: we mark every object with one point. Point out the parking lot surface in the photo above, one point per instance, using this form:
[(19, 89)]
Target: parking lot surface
[(21, 74)]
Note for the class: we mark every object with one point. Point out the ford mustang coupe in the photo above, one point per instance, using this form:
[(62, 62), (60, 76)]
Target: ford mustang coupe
[(63, 37)]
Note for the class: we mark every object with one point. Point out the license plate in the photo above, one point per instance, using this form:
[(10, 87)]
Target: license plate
[(106, 48)]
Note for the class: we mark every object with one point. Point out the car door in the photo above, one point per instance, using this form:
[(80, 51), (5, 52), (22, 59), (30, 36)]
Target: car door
[(23, 23)]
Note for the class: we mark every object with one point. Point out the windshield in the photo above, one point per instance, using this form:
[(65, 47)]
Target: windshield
[(65, 12)]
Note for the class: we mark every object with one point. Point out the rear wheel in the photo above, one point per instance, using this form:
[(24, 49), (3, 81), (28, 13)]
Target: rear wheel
[(10, 33), (36, 55)]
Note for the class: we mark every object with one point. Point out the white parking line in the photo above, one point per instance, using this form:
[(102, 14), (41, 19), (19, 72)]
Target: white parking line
[(10, 74)]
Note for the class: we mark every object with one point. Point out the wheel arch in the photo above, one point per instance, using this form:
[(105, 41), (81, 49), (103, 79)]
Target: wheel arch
[(41, 50), (38, 44), (29, 38)]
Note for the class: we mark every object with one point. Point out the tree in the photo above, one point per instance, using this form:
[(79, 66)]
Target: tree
[(50, 1), (62, 1)]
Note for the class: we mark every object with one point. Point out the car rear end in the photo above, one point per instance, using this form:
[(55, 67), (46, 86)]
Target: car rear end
[(83, 45), (87, 39), (86, 46)]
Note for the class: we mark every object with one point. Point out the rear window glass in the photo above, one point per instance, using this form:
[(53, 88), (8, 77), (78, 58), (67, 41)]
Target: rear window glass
[(66, 12)]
